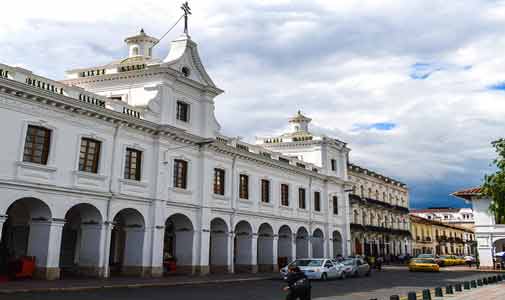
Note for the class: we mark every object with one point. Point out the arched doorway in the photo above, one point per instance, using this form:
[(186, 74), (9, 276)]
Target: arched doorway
[(31, 231), (127, 243), (337, 244), (318, 244), (218, 246), (178, 245), (358, 247), (243, 247), (265, 249), (302, 243), (82, 242), (285, 246)]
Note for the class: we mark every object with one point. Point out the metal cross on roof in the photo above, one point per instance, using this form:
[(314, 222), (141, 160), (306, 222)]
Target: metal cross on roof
[(187, 11)]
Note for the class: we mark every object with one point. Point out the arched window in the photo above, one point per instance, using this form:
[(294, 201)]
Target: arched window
[(135, 50)]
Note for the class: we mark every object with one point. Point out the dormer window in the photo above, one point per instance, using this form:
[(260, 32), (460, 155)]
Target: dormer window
[(185, 71)]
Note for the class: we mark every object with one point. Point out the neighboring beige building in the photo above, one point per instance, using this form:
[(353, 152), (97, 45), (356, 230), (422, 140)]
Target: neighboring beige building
[(434, 237), (379, 220)]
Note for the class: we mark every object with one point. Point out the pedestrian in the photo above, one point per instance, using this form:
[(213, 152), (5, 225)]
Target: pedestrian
[(298, 285), (379, 262)]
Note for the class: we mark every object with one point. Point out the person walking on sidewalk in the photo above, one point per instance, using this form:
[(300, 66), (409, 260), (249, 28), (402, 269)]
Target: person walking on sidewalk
[(298, 285), (379, 262)]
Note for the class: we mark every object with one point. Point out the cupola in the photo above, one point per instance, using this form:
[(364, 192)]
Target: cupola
[(141, 45), (300, 123)]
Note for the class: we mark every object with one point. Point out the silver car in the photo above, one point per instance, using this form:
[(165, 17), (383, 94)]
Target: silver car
[(316, 268), (355, 266)]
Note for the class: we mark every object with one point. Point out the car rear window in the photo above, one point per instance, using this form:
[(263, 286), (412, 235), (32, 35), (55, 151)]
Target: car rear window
[(308, 263), (348, 262), (424, 261)]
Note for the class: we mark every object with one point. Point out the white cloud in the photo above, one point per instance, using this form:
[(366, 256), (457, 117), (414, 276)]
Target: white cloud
[(341, 62)]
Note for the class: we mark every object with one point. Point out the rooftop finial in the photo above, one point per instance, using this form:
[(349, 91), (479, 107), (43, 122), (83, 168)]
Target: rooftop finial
[(187, 11), (142, 31)]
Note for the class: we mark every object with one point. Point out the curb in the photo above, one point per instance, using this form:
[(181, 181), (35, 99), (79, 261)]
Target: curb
[(131, 285)]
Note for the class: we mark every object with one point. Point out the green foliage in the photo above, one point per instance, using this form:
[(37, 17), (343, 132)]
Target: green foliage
[(494, 184)]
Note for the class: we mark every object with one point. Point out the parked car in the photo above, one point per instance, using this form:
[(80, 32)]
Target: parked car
[(355, 266), (423, 264), (469, 259), (316, 268)]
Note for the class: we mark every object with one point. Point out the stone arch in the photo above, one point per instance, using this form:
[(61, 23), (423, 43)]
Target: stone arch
[(218, 256), (178, 244), (302, 243), (317, 243), (127, 243), (243, 247), (30, 230), (266, 259), (337, 244), (285, 246), (82, 241)]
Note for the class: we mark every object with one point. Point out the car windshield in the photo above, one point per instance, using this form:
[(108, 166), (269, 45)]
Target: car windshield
[(308, 263), (348, 262), (425, 256), (424, 261)]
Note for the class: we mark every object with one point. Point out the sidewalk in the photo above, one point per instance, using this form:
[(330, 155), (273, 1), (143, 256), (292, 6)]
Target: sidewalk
[(82, 284), (491, 292)]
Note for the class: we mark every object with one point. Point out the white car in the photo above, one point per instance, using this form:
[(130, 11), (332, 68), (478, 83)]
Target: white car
[(316, 268)]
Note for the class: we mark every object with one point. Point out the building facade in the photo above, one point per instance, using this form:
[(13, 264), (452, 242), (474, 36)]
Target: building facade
[(489, 234), (122, 169), (379, 219), (462, 217), (435, 237)]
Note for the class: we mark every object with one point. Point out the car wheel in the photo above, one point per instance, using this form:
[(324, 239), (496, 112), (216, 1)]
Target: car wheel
[(343, 276), (368, 273), (324, 277), (355, 274)]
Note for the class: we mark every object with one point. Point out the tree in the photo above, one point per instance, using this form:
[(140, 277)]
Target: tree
[(494, 184)]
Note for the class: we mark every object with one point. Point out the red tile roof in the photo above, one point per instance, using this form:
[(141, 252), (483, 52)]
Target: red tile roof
[(468, 193)]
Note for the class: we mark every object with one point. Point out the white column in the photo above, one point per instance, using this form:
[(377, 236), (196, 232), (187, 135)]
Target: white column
[(44, 243), (309, 245), (2, 221), (106, 248), (293, 246), (275, 245), (326, 251), (204, 237), (231, 252), (254, 252)]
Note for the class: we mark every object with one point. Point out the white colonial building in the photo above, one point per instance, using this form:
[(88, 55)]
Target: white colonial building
[(489, 234), (462, 217), (122, 169)]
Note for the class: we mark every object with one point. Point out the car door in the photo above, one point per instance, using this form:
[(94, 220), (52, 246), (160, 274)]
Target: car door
[(362, 267), (331, 269)]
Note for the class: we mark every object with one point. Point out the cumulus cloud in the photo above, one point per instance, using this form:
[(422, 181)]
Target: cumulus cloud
[(415, 87)]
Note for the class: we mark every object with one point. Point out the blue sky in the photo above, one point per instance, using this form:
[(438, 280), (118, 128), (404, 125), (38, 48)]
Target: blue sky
[(417, 88)]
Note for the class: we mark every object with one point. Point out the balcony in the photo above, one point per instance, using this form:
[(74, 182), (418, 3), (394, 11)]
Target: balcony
[(370, 228), (365, 200)]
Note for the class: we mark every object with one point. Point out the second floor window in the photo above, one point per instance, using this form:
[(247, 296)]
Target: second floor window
[(335, 206), (333, 165), (219, 181), (37, 145), (301, 198), (284, 194), (182, 111), (180, 174), (133, 164), (244, 186), (265, 191), (89, 155), (317, 201)]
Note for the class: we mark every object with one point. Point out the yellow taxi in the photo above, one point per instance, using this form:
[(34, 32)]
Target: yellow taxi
[(423, 264), (460, 260), (448, 260)]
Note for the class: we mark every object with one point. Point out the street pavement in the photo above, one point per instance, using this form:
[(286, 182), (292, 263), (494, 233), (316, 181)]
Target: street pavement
[(380, 285)]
